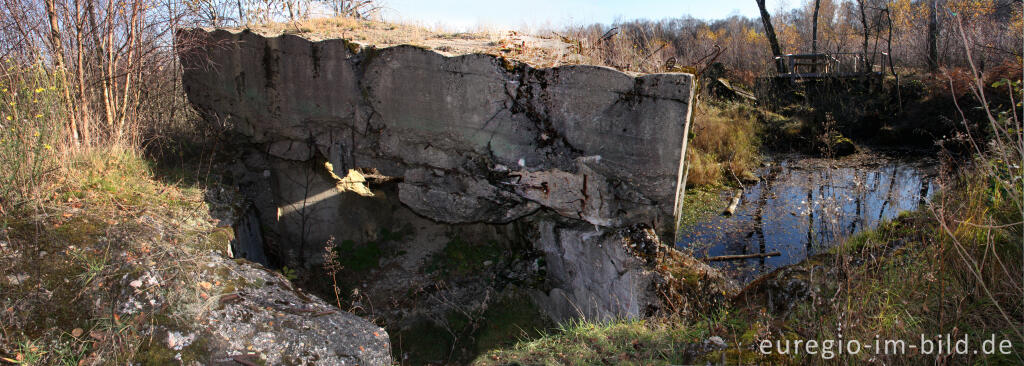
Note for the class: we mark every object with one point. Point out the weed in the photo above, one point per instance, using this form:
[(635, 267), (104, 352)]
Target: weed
[(289, 273), (92, 265), (332, 266), (31, 117)]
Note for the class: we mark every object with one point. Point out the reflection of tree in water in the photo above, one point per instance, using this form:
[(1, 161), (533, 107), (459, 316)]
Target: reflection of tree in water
[(803, 205), (762, 200)]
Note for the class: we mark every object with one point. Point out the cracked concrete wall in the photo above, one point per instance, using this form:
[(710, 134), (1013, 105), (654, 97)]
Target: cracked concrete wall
[(473, 138)]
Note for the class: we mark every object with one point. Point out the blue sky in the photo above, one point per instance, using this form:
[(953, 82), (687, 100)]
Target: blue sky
[(467, 14)]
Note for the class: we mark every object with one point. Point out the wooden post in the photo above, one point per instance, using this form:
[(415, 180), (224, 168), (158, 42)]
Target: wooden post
[(684, 169)]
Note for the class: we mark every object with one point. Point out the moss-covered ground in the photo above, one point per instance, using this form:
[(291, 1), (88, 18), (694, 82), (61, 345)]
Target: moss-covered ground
[(111, 216)]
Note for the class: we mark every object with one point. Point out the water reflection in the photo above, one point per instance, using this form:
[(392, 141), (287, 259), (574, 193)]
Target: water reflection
[(804, 205)]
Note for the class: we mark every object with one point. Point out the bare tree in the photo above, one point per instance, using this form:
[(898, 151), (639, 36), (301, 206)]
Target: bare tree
[(933, 35), (865, 32), (773, 41), (359, 9), (814, 27)]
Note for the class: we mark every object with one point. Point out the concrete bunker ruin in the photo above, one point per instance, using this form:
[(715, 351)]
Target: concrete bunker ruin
[(343, 141)]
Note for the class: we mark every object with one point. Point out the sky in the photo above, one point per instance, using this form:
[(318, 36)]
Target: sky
[(538, 14)]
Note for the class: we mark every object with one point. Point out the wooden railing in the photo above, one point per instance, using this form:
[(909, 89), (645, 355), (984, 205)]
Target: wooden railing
[(838, 64)]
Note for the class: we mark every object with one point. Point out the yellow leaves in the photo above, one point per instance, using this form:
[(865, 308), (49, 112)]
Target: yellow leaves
[(905, 13), (751, 35), (971, 9)]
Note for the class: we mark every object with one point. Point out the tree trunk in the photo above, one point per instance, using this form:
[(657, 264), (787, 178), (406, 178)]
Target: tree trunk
[(773, 41), (58, 52), (865, 35), (242, 20), (83, 100), (55, 41), (933, 35), (814, 27)]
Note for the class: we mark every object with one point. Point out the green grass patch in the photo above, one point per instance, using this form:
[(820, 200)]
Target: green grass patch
[(511, 320), (652, 342)]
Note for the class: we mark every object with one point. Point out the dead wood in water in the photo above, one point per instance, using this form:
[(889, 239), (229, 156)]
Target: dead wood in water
[(735, 203), (741, 256)]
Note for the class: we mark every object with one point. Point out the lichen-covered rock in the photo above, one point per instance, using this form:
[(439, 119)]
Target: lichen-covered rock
[(255, 316), (267, 316)]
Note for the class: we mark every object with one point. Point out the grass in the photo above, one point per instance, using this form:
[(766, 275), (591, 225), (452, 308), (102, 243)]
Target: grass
[(77, 225), (107, 219), (633, 342), (725, 144), (536, 50), (461, 336)]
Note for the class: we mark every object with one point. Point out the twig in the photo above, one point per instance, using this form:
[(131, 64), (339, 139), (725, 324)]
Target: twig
[(741, 256)]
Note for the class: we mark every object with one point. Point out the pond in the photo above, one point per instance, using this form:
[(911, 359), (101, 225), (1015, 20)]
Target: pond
[(803, 205)]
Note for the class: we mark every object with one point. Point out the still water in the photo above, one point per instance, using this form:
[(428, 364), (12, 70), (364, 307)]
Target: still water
[(802, 205)]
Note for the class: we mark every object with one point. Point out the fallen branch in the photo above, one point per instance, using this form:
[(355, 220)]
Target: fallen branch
[(735, 203), (741, 256)]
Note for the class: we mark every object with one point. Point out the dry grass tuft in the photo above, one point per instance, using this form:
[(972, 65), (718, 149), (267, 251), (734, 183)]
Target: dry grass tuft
[(724, 143)]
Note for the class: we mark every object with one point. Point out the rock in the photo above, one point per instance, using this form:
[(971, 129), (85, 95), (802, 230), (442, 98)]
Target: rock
[(17, 279), (177, 341), (593, 274), (716, 341), (284, 325)]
